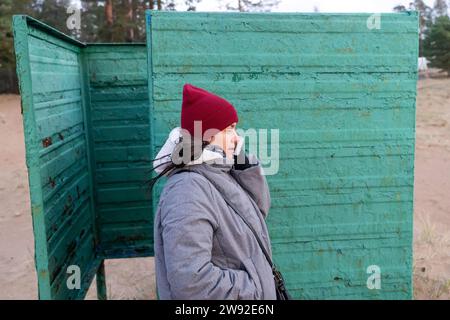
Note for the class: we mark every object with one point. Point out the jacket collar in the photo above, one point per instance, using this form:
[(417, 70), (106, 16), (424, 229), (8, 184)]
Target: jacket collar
[(212, 155)]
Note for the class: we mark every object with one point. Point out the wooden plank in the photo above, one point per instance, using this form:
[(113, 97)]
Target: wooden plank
[(57, 159), (21, 47)]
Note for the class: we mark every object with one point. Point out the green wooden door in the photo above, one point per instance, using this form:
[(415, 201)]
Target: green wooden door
[(86, 125), (340, 89), (119, 119), (57, 156)]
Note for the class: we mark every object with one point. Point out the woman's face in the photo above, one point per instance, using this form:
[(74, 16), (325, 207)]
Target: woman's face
[(226, 139)]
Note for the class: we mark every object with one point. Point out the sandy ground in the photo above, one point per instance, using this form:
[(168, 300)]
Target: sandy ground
[(432, 191), (134, 278)]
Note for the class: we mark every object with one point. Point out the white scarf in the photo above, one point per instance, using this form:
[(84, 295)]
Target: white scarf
[(164, 156)]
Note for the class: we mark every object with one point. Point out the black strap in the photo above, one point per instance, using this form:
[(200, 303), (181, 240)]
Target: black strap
[(282, 293), (253, 230)]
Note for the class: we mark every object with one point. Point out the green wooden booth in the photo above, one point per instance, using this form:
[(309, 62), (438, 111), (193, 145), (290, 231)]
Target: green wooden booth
[(339, 89)]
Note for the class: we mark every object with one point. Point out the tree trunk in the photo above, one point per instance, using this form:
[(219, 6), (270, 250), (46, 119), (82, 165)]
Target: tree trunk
[(109, 12), (129, 19), (109, 18)]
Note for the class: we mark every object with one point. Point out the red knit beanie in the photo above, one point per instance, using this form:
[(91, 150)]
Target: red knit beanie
[(213, 111)]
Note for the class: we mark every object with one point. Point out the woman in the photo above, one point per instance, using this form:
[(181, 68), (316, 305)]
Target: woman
[(203, 248)]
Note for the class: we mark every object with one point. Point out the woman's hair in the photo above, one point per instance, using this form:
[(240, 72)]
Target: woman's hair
[(171, 165)]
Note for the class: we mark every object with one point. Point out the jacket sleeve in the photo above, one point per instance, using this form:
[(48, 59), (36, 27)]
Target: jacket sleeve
[(187, 233), (254, 182)]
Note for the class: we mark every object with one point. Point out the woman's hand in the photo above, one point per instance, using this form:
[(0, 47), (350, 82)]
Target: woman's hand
[(241, 161)]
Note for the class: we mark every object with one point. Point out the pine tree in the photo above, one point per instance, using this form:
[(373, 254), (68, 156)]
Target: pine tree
[(6, 38), (440, 8), (437, 44)]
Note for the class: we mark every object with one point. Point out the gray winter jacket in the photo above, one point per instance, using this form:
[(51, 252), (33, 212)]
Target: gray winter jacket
[(203, 249)]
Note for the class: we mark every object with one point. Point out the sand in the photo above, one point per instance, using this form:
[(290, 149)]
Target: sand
[(134, 278), (432, 191)]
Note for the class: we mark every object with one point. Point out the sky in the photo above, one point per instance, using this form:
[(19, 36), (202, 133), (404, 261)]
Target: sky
[(374, 6)]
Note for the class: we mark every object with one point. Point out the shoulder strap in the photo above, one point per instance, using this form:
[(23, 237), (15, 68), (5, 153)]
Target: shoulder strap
[(266, 254)]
